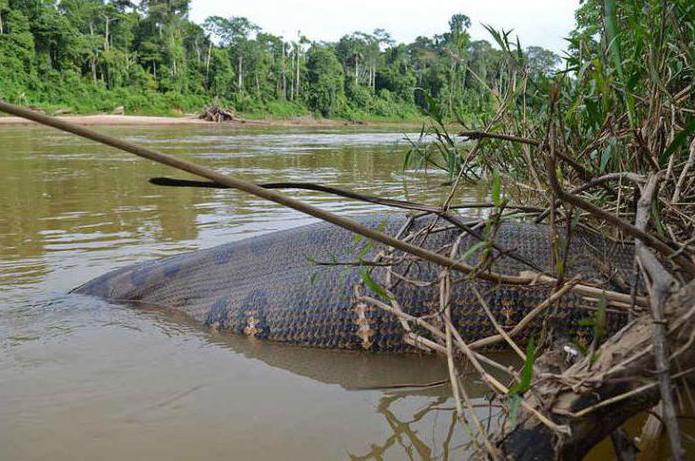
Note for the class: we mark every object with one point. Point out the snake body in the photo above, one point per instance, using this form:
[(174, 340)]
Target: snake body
[(301, 285)]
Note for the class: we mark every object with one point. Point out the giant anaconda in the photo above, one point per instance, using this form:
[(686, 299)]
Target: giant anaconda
[(271, 286)]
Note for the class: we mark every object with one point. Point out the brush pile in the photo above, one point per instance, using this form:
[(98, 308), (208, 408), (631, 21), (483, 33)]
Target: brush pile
[(217, 114)]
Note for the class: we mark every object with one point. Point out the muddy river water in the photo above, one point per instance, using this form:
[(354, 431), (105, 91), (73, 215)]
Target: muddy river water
[(84, 379)]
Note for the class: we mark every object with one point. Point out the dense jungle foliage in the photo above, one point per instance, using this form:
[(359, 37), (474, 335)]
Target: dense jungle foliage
[(95, 55), (626, 81)]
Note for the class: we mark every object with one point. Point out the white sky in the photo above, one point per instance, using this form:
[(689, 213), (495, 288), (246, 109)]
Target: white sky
[(537, 22)]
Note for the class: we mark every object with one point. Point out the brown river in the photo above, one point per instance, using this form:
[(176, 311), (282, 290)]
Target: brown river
[(84, 379)]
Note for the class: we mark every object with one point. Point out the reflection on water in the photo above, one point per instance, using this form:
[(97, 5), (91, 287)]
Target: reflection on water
[(81, 378)]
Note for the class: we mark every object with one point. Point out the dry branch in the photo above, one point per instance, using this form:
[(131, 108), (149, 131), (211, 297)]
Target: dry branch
[(628, 228), (661, 285)]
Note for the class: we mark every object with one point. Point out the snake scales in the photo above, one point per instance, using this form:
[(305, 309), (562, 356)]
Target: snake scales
[(271, 286)]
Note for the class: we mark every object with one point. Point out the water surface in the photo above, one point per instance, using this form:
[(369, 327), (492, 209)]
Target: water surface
[(84, 379)]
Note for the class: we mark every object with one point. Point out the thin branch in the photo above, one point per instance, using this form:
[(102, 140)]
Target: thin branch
[(628, 228), (497, 326), (660, 289), (528, 318), (635, 178), (504, 137), (684, 173)]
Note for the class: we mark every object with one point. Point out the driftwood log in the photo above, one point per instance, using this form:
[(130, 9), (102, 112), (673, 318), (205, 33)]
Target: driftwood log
[(217, 114)]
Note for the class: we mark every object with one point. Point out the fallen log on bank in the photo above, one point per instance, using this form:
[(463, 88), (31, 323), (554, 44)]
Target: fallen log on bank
[(217, 114)]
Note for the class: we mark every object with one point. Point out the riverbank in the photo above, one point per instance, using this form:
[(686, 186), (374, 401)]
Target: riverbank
[(141, 120)]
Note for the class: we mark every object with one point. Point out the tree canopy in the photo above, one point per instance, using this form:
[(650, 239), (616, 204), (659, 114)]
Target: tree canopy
[(94, 55)]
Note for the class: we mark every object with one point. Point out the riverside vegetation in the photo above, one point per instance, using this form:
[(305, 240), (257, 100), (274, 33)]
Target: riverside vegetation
[(94, 55), (607, 143)]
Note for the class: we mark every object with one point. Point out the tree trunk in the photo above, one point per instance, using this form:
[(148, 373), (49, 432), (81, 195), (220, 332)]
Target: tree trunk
[(93, 57), (93, 65), (240, 73), (207, 67), (1, 29), (107, 21), (284, 73), (451, 88), (296, 86), (617, 382)]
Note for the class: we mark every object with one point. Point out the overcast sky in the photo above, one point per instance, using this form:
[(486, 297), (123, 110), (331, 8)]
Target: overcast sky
[(537, 22)]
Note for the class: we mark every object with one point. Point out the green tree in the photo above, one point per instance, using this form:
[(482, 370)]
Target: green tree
[(541, 62), (148, 56), (325, 93)]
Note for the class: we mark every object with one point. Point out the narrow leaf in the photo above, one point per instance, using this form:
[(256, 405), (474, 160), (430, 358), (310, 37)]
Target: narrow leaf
[(527, 372), (678, 140), (372, 285), (496, 189), (469, 252)]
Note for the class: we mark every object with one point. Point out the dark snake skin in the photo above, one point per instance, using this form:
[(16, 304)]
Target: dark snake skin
[(270, 286)]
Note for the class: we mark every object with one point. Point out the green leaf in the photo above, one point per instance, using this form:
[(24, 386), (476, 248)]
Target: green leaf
[(524, 384), (527, 372), (613, 38), (514, 409), (365, 249), (496, 189), (607, 155), (472, 249), (678, 140), (586, 322), (600, 319), (372, 285)]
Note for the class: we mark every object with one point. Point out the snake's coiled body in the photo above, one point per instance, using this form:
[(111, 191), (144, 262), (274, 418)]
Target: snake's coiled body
[(271, 286)]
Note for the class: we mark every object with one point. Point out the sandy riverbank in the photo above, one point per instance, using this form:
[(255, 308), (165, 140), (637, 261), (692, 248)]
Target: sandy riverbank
[(115, 120), (112, 120)]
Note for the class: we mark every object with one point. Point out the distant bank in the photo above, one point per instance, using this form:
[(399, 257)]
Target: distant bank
[(119, 120)]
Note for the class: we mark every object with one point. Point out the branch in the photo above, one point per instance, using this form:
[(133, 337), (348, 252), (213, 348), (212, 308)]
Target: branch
[(660, 288), (684, 174), (635, 178), (175, 182), (628, 228), (504, 137)]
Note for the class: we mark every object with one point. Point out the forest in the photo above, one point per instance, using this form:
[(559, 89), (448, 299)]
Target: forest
[(93, 55)]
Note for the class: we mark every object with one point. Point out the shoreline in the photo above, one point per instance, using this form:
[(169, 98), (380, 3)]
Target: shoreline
[(146, 120)]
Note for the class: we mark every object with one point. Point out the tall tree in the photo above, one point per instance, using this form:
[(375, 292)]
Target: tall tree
[(325, 75)]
